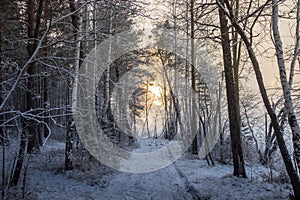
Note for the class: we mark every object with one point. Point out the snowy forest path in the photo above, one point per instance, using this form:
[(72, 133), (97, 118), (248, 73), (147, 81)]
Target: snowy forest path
[(166, 183)]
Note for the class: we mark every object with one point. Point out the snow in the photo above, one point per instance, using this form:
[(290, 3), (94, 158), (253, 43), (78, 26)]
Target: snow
[(187, 178), (162, 184), (148, 145), (217, 183)]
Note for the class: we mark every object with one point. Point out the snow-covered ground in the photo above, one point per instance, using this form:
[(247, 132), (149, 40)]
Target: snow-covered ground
[(187, 178)]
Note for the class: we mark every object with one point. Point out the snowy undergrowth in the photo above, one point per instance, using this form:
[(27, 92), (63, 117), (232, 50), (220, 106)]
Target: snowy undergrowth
[(187, 178), (218, 183)]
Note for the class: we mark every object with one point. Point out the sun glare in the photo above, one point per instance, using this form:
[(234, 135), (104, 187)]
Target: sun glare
[(156, 90)]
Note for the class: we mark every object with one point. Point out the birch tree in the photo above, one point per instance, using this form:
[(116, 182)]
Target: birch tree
[(287, 158), (286, 86), (77, 26)]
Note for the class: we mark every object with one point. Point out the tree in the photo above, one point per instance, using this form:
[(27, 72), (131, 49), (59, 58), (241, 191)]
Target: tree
[(2, 71), (285, 84), (36, 63), (232, 99), (290, 167), (193, 80), (77, 27), (34, 10)]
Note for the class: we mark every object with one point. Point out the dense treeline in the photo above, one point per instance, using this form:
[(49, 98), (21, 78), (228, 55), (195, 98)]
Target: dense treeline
[(44, 43)]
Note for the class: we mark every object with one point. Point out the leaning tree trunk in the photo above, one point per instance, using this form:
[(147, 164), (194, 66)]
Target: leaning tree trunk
[(232, 99), (289, 165)]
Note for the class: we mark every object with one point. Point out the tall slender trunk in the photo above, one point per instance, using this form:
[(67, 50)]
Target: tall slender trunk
[(187, 100), (187, 77), (2, 119), (286, 88), (296, 48), (219, 111), (193, 80), (2, 79), (46, 106), (77, 25), (232, 99), (30, 124), (147, 109), (20, 156), (107, 71), (34, 23), (166, 111), (176, 115)]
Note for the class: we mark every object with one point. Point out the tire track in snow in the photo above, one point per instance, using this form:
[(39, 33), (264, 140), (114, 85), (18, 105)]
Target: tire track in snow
[(189, 187)]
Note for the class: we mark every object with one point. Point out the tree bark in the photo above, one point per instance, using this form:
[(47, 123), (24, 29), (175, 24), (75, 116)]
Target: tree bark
[(286, 88), (20, 155), (2, 79), (71, 129), (193, 77), (219, 112), (232, 99), (34, 23), (296, 48)]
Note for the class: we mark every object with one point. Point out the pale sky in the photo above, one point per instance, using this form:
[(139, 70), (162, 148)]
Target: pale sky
[(268, 65)]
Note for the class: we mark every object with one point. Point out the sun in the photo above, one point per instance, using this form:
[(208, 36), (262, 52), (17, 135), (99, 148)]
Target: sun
[(155, 89)]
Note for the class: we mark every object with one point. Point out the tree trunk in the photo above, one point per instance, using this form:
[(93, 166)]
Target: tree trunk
[(107, 73), (291, 170), (2, 89), (34, 23), (288, 104), (20, 155), (219, 112), (193, 74), (147, 107), (2, 119), (187, 100), (232, 99), (296, 48), (77, 25)]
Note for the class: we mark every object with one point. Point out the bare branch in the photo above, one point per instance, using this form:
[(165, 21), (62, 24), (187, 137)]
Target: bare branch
[(23, 70)]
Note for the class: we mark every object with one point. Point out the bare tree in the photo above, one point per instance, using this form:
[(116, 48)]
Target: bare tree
[(286, 87), (290, 167), (77, 26), (232, 99)]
